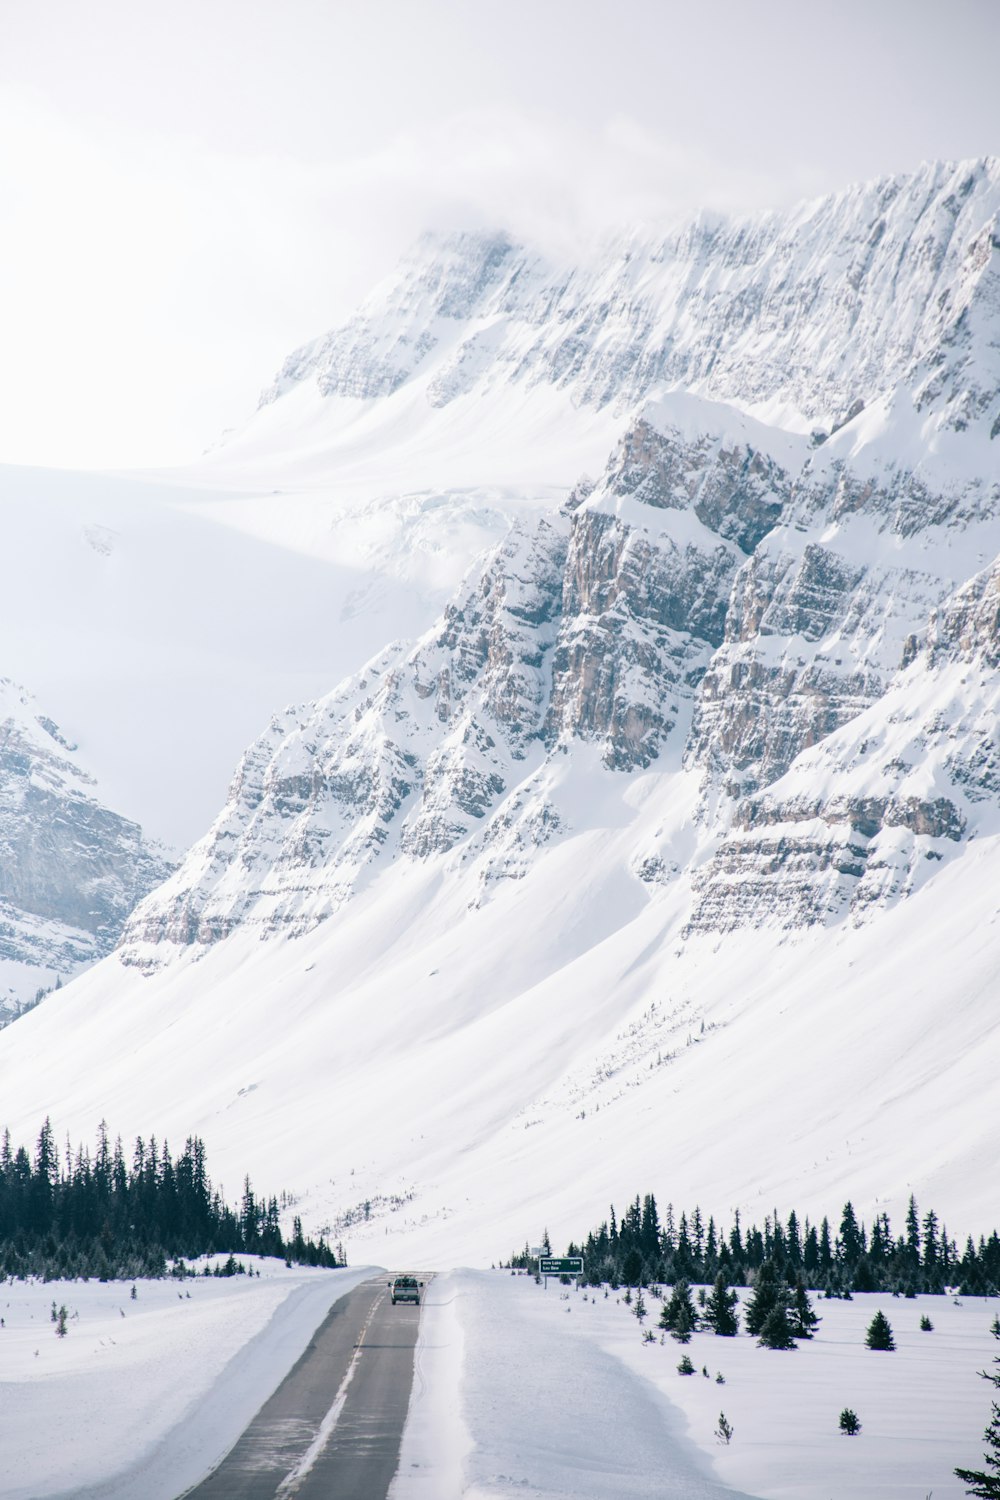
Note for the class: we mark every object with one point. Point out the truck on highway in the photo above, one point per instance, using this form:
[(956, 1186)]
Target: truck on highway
[(405, 1289)]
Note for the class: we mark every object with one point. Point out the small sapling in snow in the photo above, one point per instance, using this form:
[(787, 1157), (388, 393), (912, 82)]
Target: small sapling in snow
[(685, 1367), (926, 1326), (849, 1423), (724, 1431)]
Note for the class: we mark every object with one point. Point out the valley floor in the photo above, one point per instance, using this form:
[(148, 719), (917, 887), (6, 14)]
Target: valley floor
[(519, 1390)]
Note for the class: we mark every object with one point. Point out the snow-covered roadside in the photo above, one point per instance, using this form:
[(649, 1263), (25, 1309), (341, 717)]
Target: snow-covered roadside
[(143, 1397), (517, 1400), (552, 1393)]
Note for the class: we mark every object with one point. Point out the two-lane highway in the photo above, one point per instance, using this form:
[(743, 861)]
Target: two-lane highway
[(334, 1425)]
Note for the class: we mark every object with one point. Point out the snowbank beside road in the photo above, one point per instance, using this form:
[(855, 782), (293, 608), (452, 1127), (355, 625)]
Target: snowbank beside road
[(522, 1400), (552, 1393), (143, 1397)]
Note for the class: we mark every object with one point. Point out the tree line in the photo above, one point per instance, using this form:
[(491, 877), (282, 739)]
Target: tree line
[(640, 1249), (100, 1214)]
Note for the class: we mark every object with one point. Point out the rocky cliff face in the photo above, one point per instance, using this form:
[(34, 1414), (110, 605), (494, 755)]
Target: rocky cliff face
[(818, 310), (709, 613), (70, 869), (791, 629)]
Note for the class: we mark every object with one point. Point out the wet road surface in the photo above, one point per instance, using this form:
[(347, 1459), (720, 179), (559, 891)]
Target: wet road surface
[(332, 1429)]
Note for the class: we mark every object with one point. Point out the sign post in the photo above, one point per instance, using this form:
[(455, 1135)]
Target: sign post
[(560, 1265)]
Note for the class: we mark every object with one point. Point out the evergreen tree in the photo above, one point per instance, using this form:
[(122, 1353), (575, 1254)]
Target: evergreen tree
[(678, 1315), (825, 1252), (649, 1233), (769, 1291), (912, 1251), (721, 1309), (776, 1332), (736, 1238), (879, 1335), (804, 1320), (631, 1272), (849, 1241), (984, 1484)]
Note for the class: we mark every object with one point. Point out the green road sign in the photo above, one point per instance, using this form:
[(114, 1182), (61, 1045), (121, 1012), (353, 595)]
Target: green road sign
[(556, 1265)]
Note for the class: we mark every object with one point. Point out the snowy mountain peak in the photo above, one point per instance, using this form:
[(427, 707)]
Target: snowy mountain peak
[(807, 312)]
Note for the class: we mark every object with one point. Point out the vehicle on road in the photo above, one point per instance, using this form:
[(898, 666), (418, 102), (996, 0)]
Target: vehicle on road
[(405, 1289)]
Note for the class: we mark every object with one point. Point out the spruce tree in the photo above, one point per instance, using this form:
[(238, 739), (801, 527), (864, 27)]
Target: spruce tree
[(721, 1309), (678, 1315), (769, 1291), (777, 1330), (983, 1484), (879, 1335), (803, 1320), (986, 1485), (631, 1272)]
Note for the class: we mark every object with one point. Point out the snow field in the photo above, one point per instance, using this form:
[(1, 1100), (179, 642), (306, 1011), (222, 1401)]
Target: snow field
[(559, 1397), (143, 1397), (531, 1404)]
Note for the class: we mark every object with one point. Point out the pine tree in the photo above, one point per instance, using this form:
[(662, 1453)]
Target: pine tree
[(849, 1424), (721, 1309), (879, 1335)]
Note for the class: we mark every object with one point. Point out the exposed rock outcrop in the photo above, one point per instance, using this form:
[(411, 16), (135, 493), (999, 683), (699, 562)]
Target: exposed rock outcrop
[(71, 870)]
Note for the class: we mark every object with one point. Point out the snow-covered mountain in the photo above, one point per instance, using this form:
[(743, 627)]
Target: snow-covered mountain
[(801, 316), (668, 846), (71, 870)]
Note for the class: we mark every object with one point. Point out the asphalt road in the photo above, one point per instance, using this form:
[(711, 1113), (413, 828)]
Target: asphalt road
[(332, 1429)]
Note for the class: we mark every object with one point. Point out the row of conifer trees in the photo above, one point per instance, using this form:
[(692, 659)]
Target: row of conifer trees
[(78, 1214), (640, 1249)]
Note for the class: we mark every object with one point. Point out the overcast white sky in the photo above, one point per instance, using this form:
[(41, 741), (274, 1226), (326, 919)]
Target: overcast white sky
[(188, 190)]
